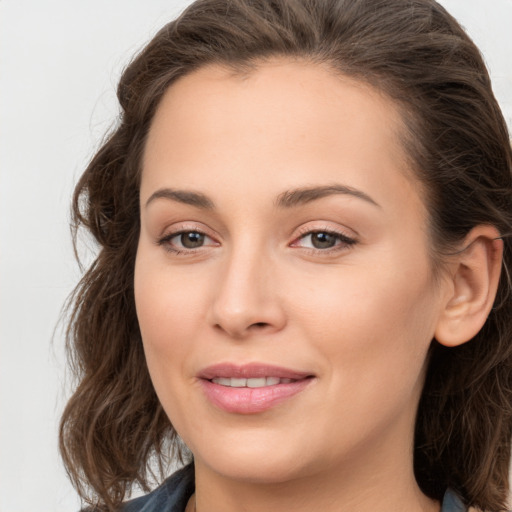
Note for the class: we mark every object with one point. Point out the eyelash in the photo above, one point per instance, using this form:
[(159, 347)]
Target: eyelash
[(165, 241), (344, 242)]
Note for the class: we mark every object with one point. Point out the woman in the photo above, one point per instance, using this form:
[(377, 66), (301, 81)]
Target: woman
[(303, 267)]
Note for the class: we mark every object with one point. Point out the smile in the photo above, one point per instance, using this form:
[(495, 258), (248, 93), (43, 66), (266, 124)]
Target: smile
[(252, 388), (256, 382)]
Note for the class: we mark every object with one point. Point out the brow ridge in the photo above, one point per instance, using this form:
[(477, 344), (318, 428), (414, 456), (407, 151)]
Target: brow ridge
[(299, 196), (191, 198), (287, 199)]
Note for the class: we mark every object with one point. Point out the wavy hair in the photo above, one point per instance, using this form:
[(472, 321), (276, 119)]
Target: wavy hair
[(113, 429)]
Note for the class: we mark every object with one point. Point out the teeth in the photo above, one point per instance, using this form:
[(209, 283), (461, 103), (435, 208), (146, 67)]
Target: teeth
[(258, 382), (238, 383)]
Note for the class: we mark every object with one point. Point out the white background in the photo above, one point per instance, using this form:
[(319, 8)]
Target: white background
[(60, 61)]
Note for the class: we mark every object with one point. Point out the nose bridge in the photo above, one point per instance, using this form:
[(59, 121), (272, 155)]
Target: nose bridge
[(246, 299)]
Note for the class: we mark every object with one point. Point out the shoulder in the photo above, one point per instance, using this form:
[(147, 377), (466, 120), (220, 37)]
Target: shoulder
[(171, 496)]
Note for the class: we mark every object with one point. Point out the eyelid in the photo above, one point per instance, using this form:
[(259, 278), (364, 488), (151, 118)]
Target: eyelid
[(186, 226), (324, 226)]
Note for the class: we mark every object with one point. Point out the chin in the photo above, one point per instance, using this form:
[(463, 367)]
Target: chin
[(259, 460), (256, 470)]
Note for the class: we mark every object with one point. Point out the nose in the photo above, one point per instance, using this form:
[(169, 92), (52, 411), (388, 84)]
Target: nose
[(246, 299)]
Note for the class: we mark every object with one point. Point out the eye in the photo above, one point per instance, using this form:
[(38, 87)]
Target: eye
[(323, 240), (189, 239), (186, 241)]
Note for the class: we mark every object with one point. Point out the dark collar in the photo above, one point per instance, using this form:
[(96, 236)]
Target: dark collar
[(174, 493)]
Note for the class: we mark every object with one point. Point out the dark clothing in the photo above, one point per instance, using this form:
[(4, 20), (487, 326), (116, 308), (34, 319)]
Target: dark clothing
[(171, 496), (174, 493)]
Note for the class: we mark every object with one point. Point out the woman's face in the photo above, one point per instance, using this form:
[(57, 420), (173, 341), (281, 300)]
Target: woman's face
[(282, 283)]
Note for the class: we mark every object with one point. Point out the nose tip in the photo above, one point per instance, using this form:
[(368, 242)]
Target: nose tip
[(240, 326), (247, 302)]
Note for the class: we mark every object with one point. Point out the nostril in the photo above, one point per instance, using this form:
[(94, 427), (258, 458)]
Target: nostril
[(260, 324)]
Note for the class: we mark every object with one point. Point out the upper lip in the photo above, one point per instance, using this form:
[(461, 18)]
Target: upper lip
[(251, 370)]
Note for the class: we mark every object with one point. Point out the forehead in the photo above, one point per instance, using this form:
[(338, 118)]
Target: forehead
[(283, 123), (277, 93)]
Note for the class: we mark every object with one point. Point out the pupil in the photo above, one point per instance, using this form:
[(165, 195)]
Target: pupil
[(192, 240), (323, 240)]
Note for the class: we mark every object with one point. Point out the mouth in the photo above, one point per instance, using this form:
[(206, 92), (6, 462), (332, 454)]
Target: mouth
[(254, 382), (252, 388)]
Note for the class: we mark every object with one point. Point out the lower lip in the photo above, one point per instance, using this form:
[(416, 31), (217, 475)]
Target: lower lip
[(251, 400)]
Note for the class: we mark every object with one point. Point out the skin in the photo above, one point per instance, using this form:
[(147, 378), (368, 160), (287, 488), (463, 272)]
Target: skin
[(360, 317)]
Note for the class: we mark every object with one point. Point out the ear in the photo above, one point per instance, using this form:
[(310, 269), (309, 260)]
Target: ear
[(473, 283)]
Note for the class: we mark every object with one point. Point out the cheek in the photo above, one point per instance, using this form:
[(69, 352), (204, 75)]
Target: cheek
[(374, 338), (381, 300), (169, 315), (168, 311), (376, 325)]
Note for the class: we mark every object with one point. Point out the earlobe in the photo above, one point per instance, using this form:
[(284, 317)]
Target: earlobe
[(473, 285)]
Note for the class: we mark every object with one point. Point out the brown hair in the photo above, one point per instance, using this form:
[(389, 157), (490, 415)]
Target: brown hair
[(457, 140)]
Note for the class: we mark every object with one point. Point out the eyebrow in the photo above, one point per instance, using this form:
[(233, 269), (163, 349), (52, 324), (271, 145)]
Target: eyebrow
[(305, 195), (183, 196), (287, 199)]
